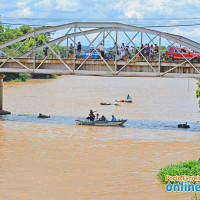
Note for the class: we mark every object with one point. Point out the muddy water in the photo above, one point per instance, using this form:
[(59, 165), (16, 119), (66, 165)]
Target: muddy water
[(51, 159)]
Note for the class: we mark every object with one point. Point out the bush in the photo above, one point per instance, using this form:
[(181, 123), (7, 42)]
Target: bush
[(16, 80), (188, 168), (22, 77), (16, 77), (44, 76)]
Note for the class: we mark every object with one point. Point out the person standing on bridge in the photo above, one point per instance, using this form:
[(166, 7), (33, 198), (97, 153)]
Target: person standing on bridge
[(45, 50), (123, 48), (147, 51), (71, 51), (79, 50), (102, 49), (152, 52), (116, 47), (142, 52), (156, 48)]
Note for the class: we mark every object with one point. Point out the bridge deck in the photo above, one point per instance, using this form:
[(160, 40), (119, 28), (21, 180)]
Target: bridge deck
[(98, 67)]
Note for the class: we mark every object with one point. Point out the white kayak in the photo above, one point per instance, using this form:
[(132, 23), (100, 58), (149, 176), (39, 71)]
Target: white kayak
[(101, 123)]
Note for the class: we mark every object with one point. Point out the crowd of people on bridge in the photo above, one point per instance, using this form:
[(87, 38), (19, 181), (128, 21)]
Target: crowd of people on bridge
[(141, 53), (145, 52)]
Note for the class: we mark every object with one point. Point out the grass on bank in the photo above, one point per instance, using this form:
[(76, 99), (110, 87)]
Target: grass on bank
[(195, 197), (188, 168), (22, 77)]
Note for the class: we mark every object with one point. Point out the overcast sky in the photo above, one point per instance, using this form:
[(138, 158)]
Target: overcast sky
[(134, 12)]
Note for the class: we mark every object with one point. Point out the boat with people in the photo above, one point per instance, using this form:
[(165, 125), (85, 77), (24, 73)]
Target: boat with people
[(43, 116), (127, 100), (93, 120), (183, 125), (101, 123)]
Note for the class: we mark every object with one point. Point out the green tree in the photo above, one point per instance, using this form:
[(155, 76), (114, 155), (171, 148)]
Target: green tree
[(25, 29), (7, 33), (163, 48)]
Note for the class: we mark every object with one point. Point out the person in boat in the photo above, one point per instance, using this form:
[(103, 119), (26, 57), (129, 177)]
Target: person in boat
[(128, 97), (42, 116), (97, 117), (91, 116), (113, 118), (103, 118), (116, 104)]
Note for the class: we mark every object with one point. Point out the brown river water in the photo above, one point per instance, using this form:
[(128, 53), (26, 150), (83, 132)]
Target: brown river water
[(54, 159)]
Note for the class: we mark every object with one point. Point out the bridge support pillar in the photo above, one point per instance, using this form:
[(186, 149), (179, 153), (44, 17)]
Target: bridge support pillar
[(2, 112)]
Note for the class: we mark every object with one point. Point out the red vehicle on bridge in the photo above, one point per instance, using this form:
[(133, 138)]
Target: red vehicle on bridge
[(178, 53)]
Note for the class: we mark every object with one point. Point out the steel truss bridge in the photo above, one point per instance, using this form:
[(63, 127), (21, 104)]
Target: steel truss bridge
[(29, 63)]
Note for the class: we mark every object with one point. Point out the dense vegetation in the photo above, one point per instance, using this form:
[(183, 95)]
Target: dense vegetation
[(16, 77), (21, 77), (43, 76), (188, 168), (7, 33), (198, 91)]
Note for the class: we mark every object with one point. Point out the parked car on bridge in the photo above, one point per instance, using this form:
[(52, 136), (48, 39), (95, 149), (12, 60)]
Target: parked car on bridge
[(2, 54), (175, 53), (94, 54)]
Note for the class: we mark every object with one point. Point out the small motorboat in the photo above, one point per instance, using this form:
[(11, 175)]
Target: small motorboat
[(105, 104), (101, 123), (183, 125), (43, 116), (126, 100)]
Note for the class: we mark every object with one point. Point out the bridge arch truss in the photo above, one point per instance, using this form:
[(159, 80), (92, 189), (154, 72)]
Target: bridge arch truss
[(104, 29)]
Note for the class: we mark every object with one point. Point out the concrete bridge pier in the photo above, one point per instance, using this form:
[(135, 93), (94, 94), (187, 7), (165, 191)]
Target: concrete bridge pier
[(2, 112)]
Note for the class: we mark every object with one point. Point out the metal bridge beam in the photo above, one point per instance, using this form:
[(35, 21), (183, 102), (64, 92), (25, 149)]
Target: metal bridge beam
[(186, 60), (55, 53), (53, 49), (69, 36), (179, 39), (97, 51), (136, 54)]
